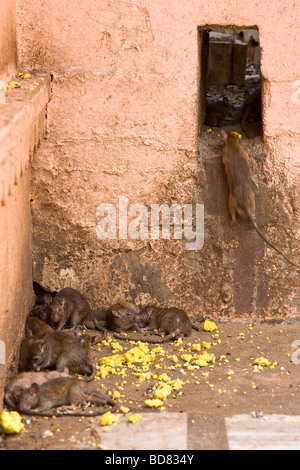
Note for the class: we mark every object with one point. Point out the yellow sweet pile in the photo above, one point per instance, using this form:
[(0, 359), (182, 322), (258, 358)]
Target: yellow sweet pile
[(209, 326), (11, 422), (108, 418), (134, 418), (148, 363)]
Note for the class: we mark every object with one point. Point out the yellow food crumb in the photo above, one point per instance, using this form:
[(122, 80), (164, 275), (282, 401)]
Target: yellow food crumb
[(124, 409), (186, 357), (163, 391), (134, 418), (261, 361), (108, 418), (154, 403), (11, 422), (176, 384), (239, 135), (209, 326), (116, 346), (24, 75)]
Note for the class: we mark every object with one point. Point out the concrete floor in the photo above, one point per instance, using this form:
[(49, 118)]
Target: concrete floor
[(255, 409)]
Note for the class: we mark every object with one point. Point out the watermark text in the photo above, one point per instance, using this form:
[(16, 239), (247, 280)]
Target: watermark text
[(296, 354), (2, 92), (2, 352), (139, 222)]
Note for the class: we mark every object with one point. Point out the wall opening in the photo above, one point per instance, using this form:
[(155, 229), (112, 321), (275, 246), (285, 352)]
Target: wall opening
[(230, 80)]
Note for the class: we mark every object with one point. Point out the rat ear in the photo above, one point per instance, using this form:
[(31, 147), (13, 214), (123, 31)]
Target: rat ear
[(224, 135), (63, 301), (116, 313), (33, 389), (48, 299), (42, 345)]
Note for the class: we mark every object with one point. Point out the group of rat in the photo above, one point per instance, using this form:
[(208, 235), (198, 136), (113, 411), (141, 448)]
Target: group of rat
[(53, 347), (53, 338)]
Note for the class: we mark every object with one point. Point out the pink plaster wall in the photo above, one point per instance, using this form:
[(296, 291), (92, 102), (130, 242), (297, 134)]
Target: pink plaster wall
[(22, 126), (8, 40), (123, 121)]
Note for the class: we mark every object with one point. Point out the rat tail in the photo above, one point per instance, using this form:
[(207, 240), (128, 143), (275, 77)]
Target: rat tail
[(91, 370), (100, 328), (268, 242), (93, 411), (162, 339)]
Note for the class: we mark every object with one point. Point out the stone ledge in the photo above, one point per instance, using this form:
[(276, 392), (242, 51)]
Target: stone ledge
[(22, 127)]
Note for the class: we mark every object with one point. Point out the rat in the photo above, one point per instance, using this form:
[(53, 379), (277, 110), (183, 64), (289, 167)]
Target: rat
[(122, 316), (36, 327), (40, 293), (251, 113), (39, 399), (23, 381), (24, 353), (42, 311), (239, 178), (61, 351), (69, 304), (173, 322), (219, 113)]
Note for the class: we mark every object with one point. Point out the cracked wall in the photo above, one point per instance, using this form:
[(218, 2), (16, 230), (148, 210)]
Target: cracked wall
[(123, 122)]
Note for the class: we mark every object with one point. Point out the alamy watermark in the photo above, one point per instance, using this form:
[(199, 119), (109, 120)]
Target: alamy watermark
[(2, 93), (145, 222), (2, 353), (296, 93), (296, 354)]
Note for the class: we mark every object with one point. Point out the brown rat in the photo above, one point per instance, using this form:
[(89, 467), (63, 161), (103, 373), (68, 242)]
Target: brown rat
[(40, 293), (23, 381), (36, 327), (172, 322), (69, 304), (38, 400), (220, 113), (61, 351), (42, 311), (239, 177), (122, 316), (251, 113), (24, 354)]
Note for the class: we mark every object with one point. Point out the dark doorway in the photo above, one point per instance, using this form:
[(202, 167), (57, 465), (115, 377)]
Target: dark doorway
[(230, 80)]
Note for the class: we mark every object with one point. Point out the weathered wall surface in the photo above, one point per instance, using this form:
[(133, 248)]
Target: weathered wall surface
[(15, 273), (123, 122), (8, 40), (22, 125)]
